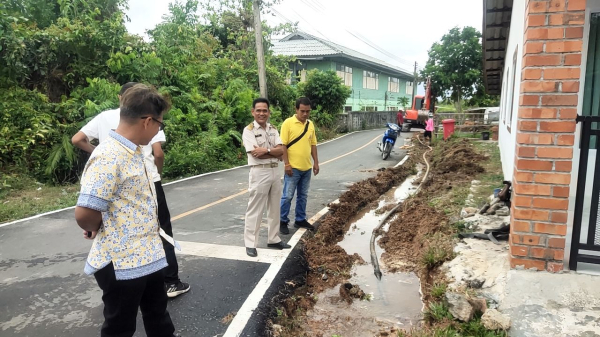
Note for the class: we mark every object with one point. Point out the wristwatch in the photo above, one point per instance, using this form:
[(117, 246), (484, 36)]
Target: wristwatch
[(269, 151)]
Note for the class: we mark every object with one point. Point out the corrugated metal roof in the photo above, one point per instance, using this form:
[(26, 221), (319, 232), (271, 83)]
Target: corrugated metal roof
[(496, 23), (302, 48), (301, 44)]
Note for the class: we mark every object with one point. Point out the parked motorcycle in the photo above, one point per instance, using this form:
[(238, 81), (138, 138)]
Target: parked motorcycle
[(389, 139)]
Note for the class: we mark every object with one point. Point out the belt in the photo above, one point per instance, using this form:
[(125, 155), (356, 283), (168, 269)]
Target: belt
[(269, 165)]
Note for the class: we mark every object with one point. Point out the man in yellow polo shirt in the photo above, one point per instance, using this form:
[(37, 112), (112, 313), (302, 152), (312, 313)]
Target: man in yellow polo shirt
[(300, 144)]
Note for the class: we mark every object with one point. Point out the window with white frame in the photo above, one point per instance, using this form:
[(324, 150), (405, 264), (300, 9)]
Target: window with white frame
[(393, 84), (370, 80), (512, 88), (345, 73), (409, 88)]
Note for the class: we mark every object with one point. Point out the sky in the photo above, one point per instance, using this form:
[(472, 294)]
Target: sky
[(399, 32)]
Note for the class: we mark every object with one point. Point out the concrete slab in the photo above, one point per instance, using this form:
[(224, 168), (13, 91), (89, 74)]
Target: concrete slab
[(538, 303)]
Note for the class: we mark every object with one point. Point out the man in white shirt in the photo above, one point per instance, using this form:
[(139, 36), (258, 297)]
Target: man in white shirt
[(99, 128)]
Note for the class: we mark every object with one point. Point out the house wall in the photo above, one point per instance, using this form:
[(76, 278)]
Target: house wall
[(321, 65), (592, 6), (362, 97), (507, 134), (545, 132)]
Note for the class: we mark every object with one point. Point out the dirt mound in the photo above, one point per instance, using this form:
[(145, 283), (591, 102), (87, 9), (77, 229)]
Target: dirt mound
[(408, 234), (419, 238), (328, 263), (322, 251), (454, 161)]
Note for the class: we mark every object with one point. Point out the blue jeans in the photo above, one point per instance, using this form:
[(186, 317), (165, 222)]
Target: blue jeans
[(300, 181)]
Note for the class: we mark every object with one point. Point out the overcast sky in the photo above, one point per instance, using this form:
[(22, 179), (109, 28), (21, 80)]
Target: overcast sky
[(402, 30)]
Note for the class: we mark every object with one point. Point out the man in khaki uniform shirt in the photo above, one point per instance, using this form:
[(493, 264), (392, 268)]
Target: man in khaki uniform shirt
[(263, 147)]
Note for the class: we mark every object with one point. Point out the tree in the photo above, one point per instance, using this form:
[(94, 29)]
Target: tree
[(403, 101), (327, 93), (454, 64), (63, 61)]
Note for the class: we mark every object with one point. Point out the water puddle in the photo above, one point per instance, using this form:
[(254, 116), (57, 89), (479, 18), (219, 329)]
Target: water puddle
[(395, 300)]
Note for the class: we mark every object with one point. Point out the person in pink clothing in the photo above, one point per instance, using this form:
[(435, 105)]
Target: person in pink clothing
[(428, 128)]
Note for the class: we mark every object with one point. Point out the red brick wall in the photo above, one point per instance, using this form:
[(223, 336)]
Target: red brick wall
[(545, 132)]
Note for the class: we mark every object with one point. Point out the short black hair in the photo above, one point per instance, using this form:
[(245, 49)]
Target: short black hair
[(142, 100), (260, 100), (303, 101), (126, 86)]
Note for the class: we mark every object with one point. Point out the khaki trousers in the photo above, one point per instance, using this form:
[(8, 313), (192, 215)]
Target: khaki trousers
[(265, 191)]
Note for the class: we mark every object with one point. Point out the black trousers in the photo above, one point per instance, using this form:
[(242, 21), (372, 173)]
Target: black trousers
[(122, 298), (171, 273)]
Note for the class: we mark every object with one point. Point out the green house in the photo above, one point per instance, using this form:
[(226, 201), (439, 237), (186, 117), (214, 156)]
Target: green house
[(376, 85)]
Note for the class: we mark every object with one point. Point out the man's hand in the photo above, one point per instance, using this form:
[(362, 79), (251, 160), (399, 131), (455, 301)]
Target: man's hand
[(316, 169), (288, 170), (81, 140), (91, 237), (258, 152)]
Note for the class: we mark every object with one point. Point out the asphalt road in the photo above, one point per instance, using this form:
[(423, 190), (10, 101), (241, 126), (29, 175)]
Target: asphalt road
[(44, 292)]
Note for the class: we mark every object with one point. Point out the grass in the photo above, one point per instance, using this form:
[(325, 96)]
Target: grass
[(436, 312), (21, 197), (438, 290), (492, 177), (434, 256)]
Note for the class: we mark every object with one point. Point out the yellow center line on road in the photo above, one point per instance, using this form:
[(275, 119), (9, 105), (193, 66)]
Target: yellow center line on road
[(209, 205), (242, 192), (351, 152)]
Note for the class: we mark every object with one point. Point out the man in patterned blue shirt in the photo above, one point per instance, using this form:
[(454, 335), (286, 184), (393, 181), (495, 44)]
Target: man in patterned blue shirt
[(118, 200)]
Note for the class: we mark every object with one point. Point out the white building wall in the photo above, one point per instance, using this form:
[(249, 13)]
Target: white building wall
[(507, 132)]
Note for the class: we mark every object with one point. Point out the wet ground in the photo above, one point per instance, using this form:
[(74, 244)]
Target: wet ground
[(394, 301)]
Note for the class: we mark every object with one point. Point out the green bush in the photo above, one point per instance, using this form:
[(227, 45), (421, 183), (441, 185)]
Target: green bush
[(328, 95)]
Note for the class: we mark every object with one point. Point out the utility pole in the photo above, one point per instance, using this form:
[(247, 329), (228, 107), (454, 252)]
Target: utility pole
[(415, 81), (260, 55)]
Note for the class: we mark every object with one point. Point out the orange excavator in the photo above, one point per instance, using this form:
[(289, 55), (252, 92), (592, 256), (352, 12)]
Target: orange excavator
[(422, 107)]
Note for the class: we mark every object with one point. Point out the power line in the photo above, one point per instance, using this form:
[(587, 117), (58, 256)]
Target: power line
[(310, 5), (376, 47), (281, 16), (359, 37), (318, 4), (313, 27)]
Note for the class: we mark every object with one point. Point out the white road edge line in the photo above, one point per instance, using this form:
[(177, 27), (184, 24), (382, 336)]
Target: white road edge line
[(251, 303), (169, 183)]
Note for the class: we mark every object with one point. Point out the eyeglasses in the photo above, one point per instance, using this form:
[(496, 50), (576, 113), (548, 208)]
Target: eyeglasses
[(162, 125)]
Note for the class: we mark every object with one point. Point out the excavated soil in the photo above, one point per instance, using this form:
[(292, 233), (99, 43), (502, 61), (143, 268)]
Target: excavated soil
[(328, 263), (416, 227), (419, 228)]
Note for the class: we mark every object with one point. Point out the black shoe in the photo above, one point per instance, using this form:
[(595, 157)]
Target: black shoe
[(176, 289), (251, 252), (283, 228), (304, 224), (279, 245)]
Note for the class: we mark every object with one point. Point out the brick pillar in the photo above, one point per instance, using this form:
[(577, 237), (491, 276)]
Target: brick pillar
[(545, 132)]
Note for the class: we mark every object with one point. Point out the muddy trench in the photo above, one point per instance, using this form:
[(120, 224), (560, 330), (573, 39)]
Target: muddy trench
[(339, 293)]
